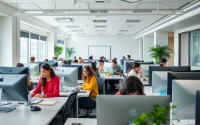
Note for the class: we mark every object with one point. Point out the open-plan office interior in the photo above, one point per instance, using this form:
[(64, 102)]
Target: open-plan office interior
[(99, 62)]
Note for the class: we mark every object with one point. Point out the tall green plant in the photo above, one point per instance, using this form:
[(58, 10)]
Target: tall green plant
[(158, 52), (58, 50), (69, 51)]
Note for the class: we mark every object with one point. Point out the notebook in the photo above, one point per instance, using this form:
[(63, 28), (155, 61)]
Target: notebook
[(36, 101), (48, 103)]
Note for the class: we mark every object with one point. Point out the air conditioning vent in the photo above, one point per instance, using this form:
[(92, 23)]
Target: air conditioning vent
[(100, 1), (72, 26), (98, 11), (77, 30), (142, 11), (132, 21), (64, 20), (123, 30), (100, 26), (99, 21)]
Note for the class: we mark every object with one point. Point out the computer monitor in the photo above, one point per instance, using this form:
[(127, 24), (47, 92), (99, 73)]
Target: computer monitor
[(140, 62), (80, 70), (68, 75), (50, 60), (145, 69), (14, 70), (39, 62), (108, 67), (159, 82), (120, 110), (85, 64), (121, 62), (59, 63), (181, 76), (13, 88), (33, 69), (53, 64), (197, 110), (127, 65), (166, 68), (184, 96)]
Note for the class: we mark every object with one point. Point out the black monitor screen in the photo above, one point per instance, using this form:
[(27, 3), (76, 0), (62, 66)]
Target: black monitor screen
[(166, 68), (53, 64), (182, 76), (146, 62), (197, 113), (14, 70), (128, 65)]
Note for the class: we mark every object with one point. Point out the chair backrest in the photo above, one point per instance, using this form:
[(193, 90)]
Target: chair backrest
[(68, 105), (100, 82)]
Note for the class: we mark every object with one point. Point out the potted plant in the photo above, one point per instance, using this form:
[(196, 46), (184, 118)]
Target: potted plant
[(158, 52), (159, 115), (69, 51), (37, 74), (58, 50)]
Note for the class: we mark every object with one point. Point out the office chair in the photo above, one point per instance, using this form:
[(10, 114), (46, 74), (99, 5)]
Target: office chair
[(88, 108), (67, 111)]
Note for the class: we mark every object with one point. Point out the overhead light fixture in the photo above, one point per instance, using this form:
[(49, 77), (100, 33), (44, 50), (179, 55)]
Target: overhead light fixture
[(127, 26), (131, 1), (64, 20)]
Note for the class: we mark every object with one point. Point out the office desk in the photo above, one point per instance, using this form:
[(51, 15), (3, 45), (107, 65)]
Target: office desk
[(23, 115), (83, 121)]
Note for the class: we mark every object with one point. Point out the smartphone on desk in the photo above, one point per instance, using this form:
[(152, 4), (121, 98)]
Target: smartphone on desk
[(76, 123)]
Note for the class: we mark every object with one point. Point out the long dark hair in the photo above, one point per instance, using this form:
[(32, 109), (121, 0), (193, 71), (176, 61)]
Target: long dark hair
[(90, 73), (135, 65), (47, 67), (130, 85)]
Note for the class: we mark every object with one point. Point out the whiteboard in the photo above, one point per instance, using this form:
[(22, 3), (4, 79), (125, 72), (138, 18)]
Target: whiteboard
[(98, 51)]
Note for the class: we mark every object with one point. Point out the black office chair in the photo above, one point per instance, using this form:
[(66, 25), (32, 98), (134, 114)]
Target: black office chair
[(88, 108), (67, 111)]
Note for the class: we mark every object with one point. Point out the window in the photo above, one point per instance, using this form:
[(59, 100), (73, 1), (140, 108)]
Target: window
[(195, 48), (62, 44), (35, 45)]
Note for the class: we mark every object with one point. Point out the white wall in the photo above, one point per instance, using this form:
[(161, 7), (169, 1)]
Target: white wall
[(148, 41), (160, 38), (120, 45), (176, 41)]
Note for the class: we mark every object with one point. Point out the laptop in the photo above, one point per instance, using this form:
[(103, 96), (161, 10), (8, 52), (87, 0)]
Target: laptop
[(122, 110)]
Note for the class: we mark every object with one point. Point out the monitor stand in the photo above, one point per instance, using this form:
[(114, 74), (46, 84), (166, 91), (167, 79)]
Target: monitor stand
[(4, 109)]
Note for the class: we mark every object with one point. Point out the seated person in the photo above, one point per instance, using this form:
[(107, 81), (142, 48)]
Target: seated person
[(131, 86), (32, 59), (89, 84), (135, 71), (128, 57), (75, 61), (49, 83), (163, 62), (80, 61), (116, 71), (100, 65), (123, 58), (91, 58), (54, 58), (46, 60), (64, 63), (101, 58), (29, 81)]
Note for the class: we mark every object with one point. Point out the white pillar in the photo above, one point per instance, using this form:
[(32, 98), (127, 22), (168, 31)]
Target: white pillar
[(160, 38), (9, 41), (148, 42), (140, 49), (52, 41)]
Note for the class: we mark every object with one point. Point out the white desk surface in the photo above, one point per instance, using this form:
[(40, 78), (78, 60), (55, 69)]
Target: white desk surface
[(113, 78), (23, 115), (66, 94), (83, 121)]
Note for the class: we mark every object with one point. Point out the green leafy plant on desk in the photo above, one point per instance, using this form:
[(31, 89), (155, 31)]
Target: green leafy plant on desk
[(37, 74), (159, 115)]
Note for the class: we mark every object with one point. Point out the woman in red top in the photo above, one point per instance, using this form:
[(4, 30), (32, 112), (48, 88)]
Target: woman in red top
[(49, 83), (131, 86)]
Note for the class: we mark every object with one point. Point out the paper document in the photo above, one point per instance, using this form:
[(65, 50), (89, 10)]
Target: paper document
[(48, 103)]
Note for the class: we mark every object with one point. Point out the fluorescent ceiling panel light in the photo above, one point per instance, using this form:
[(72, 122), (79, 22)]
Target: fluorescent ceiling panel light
[(98, 11), (64, 20), (99, 21), (132, 21)]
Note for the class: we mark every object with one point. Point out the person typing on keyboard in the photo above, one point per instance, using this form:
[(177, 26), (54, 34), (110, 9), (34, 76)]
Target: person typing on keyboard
[(90, 84), (49, 83)]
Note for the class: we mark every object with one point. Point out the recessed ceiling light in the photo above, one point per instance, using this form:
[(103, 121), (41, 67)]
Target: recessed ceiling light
[(64, 20), (132, 21)]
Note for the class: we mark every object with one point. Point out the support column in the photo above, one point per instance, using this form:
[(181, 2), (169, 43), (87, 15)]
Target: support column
[(148, 41), (52, 41)]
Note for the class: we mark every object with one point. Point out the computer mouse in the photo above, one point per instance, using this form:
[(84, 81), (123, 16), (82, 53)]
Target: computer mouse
[(35, 108)]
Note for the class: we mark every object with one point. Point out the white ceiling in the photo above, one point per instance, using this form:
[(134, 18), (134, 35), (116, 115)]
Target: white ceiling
[(118, 12)]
